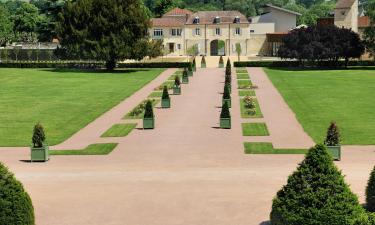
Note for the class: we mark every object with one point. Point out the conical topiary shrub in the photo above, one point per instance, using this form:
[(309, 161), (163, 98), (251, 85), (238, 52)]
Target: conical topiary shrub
[(194, 65), (225, 119), (165, 99), (177, 86), (226, 96), (370, 192), (148, 118), (221, 62), (190, 69), (185, 76), (229, 65), (316, 194), (203, 62), (39, 149), (332, 141), (15, 204), (38, 136)]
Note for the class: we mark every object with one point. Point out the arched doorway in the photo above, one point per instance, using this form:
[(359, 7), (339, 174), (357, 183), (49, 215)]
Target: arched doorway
[(217, 47)]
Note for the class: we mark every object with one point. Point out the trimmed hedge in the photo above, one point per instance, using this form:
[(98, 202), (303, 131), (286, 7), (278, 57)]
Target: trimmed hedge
[(16, 207), (296, 63), (90, 65)]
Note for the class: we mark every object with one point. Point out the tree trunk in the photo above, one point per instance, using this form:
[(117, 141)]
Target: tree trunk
[(110, 64)]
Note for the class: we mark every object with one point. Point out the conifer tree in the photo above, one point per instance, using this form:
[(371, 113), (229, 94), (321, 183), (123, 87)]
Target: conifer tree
[(370, 192)]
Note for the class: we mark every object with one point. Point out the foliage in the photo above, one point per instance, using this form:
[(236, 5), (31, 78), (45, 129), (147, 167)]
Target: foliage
[(185, 73), (6, 26), (221, 60), (369, 34), (238, 51), (249, 102), (16, 207), (149, 112), (228, 65), (190, 67), (104, 30), (162, 6), (26, 19), (140, 109), (316, 194), (226, 94), (370, 192), (333, 135), (225, 111), (155, 48), (38, 136), (177, 81), (193, 50), (228, 79), (284, 64), (165, 93), (320, 44), (194, 63), (203, 61)]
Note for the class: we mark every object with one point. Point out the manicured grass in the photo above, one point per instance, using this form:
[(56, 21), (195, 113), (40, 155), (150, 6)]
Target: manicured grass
[(120, 130), (318, 97), (171, 78), (64, 101), (242, 76), (244, 84), (156, 94), (267, 148), (241, 70), (94, 149), (243, 93), (245, 111), (138, 111), (254, 129)]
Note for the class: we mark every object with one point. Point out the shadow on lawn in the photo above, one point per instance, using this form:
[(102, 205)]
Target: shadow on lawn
[(97, 71)]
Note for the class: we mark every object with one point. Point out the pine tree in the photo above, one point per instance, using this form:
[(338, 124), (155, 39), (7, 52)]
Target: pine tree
[(370, 192), (316, 194), (333, 135)]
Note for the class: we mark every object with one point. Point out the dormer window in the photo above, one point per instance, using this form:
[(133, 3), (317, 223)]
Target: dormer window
[(237, 19), (196, 20), (217, 20)]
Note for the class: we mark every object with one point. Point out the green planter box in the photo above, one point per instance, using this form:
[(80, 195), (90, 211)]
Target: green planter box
[(148, 123), (335, 152), (228, 101), (225, 123), (185, 80), (176, 90), (190, 73), (166, 103), (221, 65), (40, 154), (203, 65)]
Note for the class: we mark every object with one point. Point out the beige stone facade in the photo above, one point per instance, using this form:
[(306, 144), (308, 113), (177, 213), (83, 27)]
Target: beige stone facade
[(214, 33), (346, 14)]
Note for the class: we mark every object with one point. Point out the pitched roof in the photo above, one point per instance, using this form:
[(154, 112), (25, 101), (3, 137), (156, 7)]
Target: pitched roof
[(282, 9), (207, 17), (178, 12), (363, 21), (344, 4), (168, 22)]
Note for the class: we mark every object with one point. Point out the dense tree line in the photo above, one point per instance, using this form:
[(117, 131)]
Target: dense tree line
[(321, 45)]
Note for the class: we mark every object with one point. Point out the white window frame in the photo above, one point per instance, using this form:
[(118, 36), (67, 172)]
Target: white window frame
[(158, 32), (217, 31), (176, 32), (197, 31)]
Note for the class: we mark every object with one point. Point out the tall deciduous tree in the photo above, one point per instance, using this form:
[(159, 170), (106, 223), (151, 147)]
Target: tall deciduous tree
[(6, 26), (26, 19), (106, 30), (369, 35)]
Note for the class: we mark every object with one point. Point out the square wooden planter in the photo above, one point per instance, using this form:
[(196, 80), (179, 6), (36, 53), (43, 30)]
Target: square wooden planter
[(225, 123), (148, 123), (228, 101), (203, 65), (176, 90), (335, 152), (39, 154), (185, 80), (166, 103)]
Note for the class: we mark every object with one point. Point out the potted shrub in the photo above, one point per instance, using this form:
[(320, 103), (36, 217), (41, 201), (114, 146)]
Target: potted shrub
[(194, 65), (165, 99), (177, 86), (229, 65), (332, 141), (203, 62), (148, 118), (228, 69), (226, 96), (225, 120), (190, 69), (39, 149), (185, 77), (221, 62)]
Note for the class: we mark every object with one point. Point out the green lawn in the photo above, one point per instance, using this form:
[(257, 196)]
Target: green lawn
[(139, 111), (94, 149), (318, 97), (169, 84), (64, 101), (243, 93), (244, 84), (156, 94), (267, 148), (242, 76), (254, 129), (171, 78), (119, 130), (245, 113), (240, 70)]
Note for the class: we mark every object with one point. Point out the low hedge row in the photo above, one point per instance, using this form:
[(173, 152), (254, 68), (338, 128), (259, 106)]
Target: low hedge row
[(90, 65), (297, 64)]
